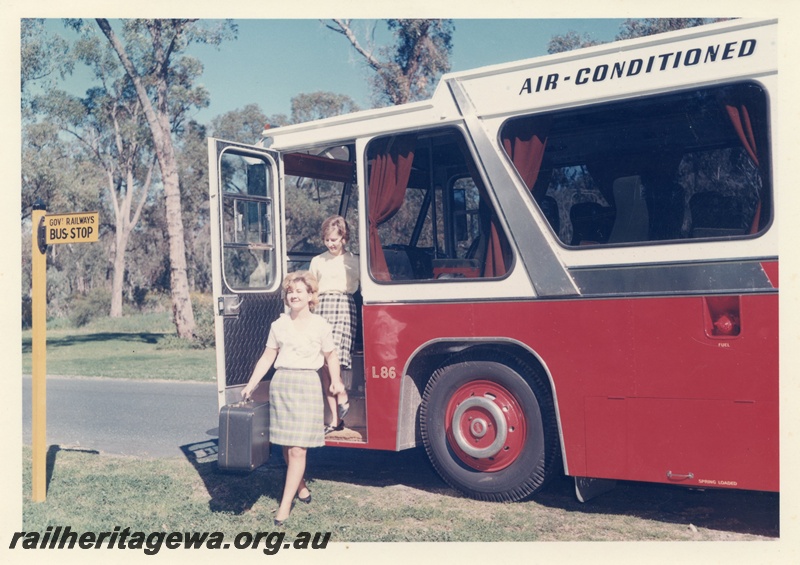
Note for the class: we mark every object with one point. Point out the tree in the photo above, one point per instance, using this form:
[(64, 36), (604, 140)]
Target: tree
[(629, 29), (244, 125), (108, 129), (409, 69), (570, 41), (650, 26), (54, 172), (193, 163), (109, 126), (45, 160), (41, 57), (151, 58), (318, 105)]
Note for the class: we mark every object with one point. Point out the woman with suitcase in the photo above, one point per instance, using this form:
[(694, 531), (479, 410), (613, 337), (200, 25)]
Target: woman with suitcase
[(299, 342)]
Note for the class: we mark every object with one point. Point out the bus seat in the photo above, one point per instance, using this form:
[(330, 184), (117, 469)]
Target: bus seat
[(421, 260), (716, 215), (632, 221), (549, 208), (400, 268), (591, 223)]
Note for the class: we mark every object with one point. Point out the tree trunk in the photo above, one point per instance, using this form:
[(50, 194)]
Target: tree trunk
[(179, 282), (123, 225), (158, 122), (118, 273)]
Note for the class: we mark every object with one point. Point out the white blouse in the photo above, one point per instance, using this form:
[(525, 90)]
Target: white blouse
[(335, 273), (300, 349)]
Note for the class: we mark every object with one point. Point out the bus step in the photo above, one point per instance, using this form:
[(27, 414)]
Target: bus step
[(356, 434)]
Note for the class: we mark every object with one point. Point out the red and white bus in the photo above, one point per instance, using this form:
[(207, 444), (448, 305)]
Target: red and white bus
[(569, 264)]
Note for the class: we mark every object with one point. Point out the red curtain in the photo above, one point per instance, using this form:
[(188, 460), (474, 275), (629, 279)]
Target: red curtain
[(525, 142), (494, 265), (740, 118), (391, 168)]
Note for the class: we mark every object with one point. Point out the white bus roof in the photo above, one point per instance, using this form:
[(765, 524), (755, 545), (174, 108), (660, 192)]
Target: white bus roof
[(725, 51)]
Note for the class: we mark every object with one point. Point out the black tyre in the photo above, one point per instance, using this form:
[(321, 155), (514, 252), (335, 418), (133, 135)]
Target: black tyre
[(487, 432)]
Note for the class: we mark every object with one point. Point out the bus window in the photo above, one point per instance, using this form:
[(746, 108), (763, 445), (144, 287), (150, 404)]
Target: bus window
[(429, 214), (318, 184), (247, 236), (672, 167), (466, 217)]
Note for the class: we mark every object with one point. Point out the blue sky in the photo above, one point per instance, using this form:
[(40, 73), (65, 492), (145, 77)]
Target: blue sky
[(274, 60)]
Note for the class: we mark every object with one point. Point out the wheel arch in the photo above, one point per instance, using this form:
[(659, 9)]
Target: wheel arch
[(437, 353)]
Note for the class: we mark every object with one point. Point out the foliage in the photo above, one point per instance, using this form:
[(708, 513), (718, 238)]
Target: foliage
[(204, 337), (111, 133), (55, 173), (308, 203), (318, 105), (243, 125), (629, 29), (88, 307), (42, 57), (27, 313), (569, 41), (409, 69), (203, 306), (632, 28)]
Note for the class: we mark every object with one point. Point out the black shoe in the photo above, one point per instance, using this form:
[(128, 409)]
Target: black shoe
[(306, 500), (337, 428), (278, 523)]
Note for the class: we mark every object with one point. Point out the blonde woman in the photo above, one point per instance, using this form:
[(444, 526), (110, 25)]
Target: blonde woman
[(299, 342)]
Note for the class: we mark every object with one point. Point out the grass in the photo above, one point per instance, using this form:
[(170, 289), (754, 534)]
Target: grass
[(140, 347), (369, 497)]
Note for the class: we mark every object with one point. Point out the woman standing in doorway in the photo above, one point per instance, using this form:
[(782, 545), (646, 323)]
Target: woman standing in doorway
[(338, 275)]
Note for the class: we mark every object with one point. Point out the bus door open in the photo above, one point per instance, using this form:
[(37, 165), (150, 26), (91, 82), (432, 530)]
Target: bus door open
[(246, 265), (320, 182)]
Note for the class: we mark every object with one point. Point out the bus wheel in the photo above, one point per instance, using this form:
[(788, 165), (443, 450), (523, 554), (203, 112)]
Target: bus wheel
[(486, 432)]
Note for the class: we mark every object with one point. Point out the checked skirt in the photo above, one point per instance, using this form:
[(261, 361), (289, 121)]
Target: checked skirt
[(296, 408), (340, 312)]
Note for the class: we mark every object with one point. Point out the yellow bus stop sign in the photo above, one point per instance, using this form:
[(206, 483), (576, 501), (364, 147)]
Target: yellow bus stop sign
[(81, 227)]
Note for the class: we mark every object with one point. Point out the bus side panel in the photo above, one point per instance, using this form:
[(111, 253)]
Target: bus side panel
[(391, 333), (705, 400), (720, 443), (641, 390), (680, 353)]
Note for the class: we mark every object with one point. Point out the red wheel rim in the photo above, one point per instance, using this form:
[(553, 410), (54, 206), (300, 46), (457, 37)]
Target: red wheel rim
[(485, 426)]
